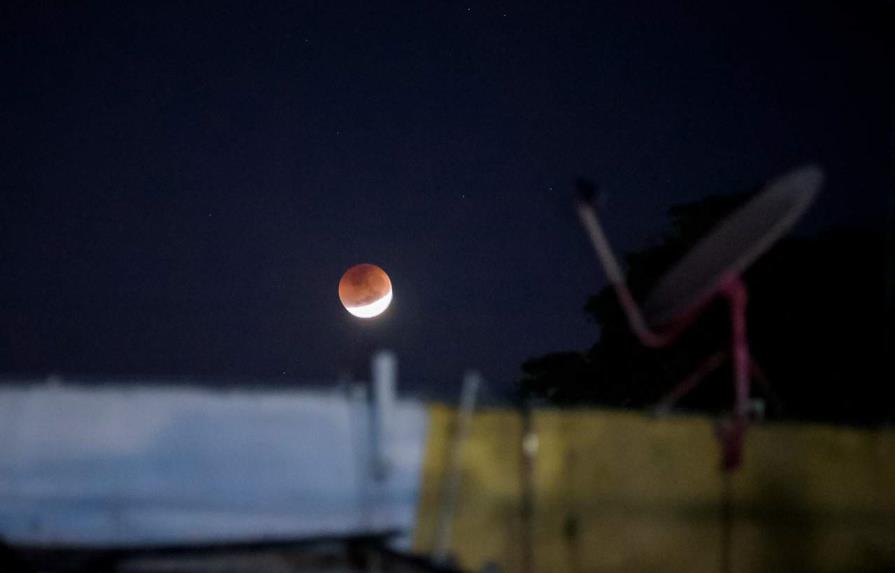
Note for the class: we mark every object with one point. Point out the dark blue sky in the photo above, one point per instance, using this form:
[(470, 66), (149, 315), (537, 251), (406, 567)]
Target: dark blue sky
[(183, 186)]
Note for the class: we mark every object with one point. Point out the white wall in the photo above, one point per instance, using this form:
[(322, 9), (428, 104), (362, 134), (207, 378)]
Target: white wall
[(156, 464)]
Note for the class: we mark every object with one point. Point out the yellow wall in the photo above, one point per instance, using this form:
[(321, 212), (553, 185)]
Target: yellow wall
[(619, 491)]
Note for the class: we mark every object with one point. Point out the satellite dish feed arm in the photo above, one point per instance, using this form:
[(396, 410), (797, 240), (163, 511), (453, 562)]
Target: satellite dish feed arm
[(610, 264)]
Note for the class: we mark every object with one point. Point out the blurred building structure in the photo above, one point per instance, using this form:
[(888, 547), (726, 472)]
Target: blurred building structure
[(155, 463), (620, 491), (125, 466)]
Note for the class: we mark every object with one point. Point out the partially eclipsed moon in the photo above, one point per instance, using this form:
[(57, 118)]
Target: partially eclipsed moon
[(365, 290)]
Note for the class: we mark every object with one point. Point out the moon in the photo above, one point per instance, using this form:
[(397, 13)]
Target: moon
[(365, 290)]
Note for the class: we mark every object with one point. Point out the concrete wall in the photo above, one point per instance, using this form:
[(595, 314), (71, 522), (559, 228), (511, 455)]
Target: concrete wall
[(620, 491), (164, 464)]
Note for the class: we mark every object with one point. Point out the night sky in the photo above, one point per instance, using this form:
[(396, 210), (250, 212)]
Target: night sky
[(181, 187)]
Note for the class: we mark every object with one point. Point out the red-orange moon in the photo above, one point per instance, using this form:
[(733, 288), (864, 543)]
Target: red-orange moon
[(365, 290)]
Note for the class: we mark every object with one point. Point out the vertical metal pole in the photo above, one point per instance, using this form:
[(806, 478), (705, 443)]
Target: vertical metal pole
[(736, 294), (529, 447), (733, 433), (359, 418), (441, 547), (889, 316), (384, 374), (726, 523)]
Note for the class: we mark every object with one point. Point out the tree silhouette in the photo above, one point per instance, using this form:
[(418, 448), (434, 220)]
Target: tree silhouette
[(816, 325)]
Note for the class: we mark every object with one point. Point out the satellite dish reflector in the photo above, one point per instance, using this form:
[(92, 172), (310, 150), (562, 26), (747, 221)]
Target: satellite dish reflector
[(733, 245)]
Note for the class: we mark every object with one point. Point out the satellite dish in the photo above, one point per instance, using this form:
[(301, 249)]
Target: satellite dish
[(732, 245), (713, 267)]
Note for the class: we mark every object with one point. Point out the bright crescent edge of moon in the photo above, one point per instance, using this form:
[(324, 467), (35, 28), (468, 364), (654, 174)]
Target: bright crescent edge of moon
[(372, 309)]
